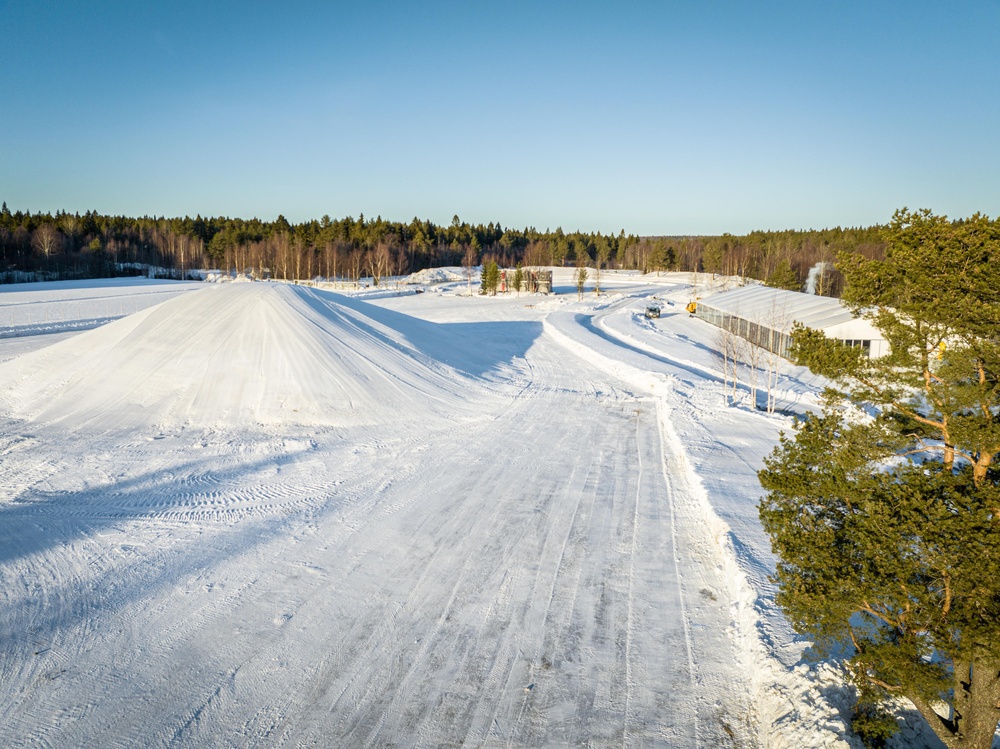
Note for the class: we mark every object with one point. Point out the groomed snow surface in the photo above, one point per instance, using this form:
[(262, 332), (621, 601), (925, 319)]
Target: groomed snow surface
[(259, 515)]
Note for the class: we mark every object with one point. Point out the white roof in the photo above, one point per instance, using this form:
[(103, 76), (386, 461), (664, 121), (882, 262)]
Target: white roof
[(778, 309)]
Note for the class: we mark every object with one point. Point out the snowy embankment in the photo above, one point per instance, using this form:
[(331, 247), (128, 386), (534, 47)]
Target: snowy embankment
[(262, 515)]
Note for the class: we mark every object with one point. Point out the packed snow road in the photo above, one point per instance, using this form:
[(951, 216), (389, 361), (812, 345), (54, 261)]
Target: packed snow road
[(259, 515)]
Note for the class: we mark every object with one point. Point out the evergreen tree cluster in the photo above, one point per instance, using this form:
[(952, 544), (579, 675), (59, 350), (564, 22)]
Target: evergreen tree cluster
[(92, 244)]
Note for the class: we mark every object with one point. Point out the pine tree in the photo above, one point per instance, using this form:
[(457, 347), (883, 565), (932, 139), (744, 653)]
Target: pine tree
[(518, 280), (888, 525), (784, 277), (491, 278)]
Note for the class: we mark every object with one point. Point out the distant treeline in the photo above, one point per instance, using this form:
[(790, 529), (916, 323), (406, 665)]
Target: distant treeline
[(73, 245)]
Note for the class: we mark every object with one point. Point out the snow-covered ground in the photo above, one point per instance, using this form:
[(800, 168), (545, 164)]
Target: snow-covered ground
[(261, 514)]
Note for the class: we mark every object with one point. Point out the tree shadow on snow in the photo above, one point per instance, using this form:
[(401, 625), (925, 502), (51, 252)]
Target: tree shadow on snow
[(40, 527)]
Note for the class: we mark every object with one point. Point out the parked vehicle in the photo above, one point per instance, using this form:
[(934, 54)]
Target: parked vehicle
[(652, 311)]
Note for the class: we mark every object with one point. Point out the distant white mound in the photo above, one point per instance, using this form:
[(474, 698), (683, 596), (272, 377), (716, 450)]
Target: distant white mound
[(437, 275), (237, 355)]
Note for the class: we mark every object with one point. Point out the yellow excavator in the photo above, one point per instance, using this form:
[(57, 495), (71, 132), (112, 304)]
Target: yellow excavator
[(692, 306)]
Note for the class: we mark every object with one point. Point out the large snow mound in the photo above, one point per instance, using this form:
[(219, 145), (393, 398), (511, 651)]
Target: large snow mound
[(241, 354)]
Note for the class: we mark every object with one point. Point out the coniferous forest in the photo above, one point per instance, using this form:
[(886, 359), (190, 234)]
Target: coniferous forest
[(90, 245)]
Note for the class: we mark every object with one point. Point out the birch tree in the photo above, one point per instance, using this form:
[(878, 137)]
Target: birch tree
[(46, 240)]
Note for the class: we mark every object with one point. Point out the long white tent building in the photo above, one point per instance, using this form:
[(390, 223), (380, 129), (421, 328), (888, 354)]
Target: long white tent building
[(765, 316)]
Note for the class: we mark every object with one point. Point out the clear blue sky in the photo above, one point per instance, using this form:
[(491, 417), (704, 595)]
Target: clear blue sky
[(656, 118)]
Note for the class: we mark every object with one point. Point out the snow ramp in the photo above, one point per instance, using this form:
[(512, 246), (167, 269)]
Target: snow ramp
[(237, 355)]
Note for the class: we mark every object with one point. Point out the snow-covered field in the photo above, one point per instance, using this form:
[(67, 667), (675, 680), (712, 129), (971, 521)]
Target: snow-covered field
[(270, 515)]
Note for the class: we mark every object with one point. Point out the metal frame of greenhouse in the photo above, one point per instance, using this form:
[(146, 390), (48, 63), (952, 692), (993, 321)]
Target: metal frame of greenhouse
[(765, 316)]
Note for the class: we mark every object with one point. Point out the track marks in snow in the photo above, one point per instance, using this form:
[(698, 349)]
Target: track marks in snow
[(714, 629), (511, 579), (492, 621)]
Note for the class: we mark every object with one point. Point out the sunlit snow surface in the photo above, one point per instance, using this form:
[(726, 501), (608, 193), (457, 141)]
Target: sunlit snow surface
[(268, 515)]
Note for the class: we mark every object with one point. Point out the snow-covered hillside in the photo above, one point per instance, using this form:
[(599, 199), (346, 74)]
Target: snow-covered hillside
[(263, 515)]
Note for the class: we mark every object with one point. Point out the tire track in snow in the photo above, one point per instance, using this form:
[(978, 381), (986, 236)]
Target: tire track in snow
[(703, 550), (779, 687), (477, 660), (675, 553), (630, 599)]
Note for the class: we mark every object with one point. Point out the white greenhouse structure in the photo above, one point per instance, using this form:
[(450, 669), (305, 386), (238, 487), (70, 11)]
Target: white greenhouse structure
[(765, 316)]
